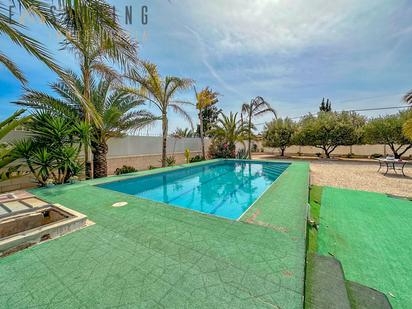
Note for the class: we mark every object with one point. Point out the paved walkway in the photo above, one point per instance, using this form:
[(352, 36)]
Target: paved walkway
[(370, 234), (147, 254)]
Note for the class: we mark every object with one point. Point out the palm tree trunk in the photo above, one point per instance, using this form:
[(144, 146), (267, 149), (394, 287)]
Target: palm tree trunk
[(86, 93), (202, 138), (164, 142), (250, 137), (100, 159)]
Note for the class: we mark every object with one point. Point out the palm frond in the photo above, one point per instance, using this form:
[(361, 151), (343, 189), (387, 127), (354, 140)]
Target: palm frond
[(12, 67)]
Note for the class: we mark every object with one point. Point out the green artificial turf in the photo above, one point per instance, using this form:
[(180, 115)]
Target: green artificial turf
[(370, 233), (315, 196), (148, 254)]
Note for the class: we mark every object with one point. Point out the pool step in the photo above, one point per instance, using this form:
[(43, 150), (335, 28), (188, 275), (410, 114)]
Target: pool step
[(327, 288), (325, 283), (363, 297)]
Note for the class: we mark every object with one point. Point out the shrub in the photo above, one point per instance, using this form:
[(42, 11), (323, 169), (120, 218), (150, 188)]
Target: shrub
[(318, 154), (152, 167), (125, 169), (376, 155), (196, 159), (350, 155), (221, 149), (254, 148), (170, 161)]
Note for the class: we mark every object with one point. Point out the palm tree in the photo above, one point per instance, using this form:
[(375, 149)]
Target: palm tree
[(205, 98), (407, 127), (161, 93), (92, 32), (230, 129), (6, 126), (257, 107), (78, 17), (115, 109), (183, 133)]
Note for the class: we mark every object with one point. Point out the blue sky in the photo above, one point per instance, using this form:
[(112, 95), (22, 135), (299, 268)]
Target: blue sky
[(291, 52)]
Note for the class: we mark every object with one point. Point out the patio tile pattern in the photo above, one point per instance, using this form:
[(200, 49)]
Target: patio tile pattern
[(148, 254)]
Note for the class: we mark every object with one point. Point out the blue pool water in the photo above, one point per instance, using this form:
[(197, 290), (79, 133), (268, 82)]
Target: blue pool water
[(225, 188)]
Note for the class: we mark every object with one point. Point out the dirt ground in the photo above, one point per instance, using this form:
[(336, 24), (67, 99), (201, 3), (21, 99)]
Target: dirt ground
[(358, 175)]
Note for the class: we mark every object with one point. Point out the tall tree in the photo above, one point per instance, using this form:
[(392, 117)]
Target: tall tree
[(91, 30), (117, 109), (161, 92), (210, 115), (204, 99), (325, 106), (257, 107)]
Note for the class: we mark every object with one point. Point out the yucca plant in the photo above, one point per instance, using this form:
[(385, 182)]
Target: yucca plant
[(51, 152)]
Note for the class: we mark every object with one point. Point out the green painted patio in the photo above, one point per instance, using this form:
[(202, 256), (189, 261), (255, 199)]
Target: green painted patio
[(149, 254)]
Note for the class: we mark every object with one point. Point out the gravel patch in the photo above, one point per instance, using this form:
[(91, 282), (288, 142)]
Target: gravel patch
[(358, 176)]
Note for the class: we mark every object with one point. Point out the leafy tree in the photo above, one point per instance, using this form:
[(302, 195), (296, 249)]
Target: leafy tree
[(210, 115), (226, 133), (325, 106), (328, 130), (204, 99), (161, 92), (116, 109), (257, 107), (279, 133), (388, 130), (407, 127)]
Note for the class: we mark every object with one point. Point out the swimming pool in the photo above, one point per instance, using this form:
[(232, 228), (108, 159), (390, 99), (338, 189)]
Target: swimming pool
[(225, 188)]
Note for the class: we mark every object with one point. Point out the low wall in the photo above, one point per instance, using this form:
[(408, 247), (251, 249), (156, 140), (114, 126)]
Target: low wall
[(142, 162), (357, 150)]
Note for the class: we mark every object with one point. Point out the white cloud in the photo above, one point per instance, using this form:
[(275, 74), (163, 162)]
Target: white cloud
[(283, 26)]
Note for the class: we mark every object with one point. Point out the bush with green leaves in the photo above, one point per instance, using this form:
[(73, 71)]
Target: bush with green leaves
[(125, 169), (219, 148), (389, 130), (279, 133), (329, 130), (196, 158), (52, 150), (170, 161)]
